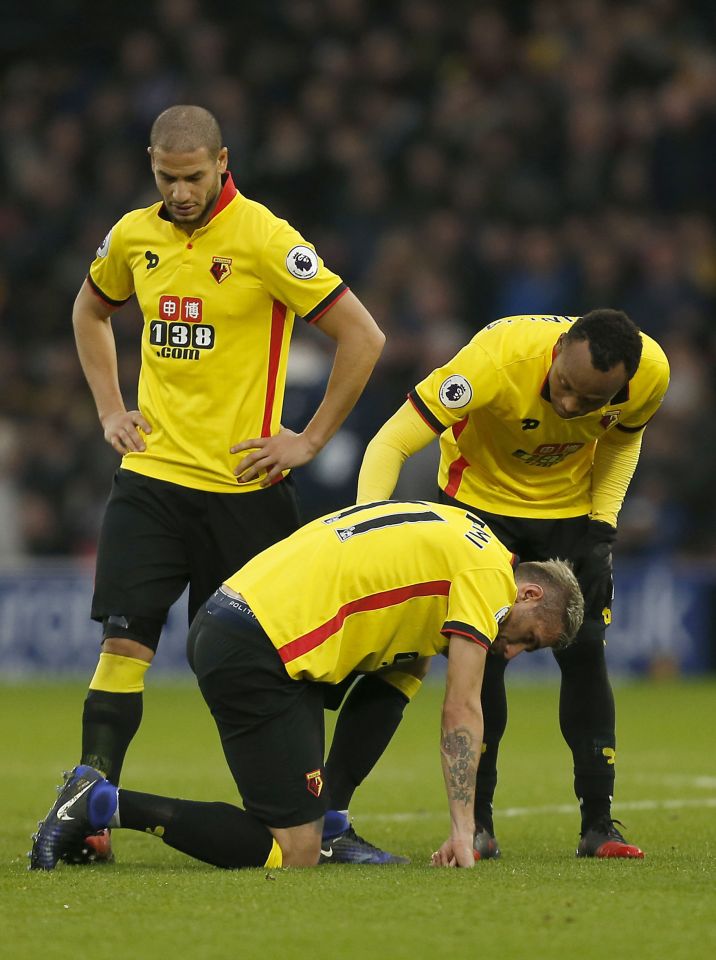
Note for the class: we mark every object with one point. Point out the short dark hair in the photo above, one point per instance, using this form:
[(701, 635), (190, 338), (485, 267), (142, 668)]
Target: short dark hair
[(184, 129), (612, 337)]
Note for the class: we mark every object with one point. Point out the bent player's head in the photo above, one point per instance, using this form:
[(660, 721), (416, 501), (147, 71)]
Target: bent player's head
[(548, 611), (595, 359), (188, 159)]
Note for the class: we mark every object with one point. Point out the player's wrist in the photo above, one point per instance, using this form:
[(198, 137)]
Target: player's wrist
[(313, 443), (464, 832), (599, 531), (114, 412)]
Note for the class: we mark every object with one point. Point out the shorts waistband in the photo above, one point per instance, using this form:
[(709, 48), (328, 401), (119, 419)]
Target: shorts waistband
[(231, 609)]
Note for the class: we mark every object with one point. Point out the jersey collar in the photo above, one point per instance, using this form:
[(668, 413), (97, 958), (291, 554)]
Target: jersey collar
[(620, 397), (228, 192), (544, 390)]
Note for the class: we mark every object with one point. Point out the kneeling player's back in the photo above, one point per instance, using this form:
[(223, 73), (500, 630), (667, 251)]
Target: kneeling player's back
[(371, 584)]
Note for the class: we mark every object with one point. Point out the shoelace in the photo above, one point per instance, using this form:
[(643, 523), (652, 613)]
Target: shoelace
[(352, 835), (608, 826)]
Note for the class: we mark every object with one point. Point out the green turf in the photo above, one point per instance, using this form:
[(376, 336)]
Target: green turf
[(537, 902)]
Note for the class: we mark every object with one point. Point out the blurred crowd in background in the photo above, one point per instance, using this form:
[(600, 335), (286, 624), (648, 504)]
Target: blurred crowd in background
[(453, 162)]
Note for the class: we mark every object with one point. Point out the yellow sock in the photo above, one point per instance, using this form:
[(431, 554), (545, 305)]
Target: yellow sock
[(117, 674), (405, 682), (275, 857)]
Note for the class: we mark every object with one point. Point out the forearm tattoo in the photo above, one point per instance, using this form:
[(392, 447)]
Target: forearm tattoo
[(460, 763)]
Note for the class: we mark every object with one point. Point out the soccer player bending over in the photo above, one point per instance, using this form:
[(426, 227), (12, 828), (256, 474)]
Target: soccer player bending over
[(364, 589), (540, 421)]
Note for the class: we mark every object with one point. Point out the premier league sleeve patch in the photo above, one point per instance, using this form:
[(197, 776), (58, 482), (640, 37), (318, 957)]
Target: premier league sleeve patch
[(502, 613), (302, 262), (103, 248), (455, 392)]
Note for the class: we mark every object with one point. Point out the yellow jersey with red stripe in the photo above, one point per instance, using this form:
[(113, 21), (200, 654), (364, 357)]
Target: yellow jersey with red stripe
[(377, 584), (218, 309), (503, 448)]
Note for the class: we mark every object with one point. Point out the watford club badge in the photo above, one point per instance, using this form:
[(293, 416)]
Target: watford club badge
[(609, 419), (220, 268), (314, 782)]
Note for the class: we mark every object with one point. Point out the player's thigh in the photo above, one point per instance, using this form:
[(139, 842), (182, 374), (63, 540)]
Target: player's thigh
[(271, 726), (142, 564), (562, 538), (234, 528)]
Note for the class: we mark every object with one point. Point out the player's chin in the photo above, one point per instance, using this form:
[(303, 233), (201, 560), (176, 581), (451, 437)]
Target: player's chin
[(186, 216)]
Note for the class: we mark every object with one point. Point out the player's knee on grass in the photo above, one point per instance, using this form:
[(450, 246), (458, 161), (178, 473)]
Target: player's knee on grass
[(300, 846)]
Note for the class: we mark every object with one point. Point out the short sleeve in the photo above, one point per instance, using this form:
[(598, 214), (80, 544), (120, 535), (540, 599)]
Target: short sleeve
[(653, 397), (110, 274), (294, 274), (467, 382), (479, 599)]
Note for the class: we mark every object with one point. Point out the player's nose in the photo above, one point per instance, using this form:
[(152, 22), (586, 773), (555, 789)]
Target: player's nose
[(180, 192)]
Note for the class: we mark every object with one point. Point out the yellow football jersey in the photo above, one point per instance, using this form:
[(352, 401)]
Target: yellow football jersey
[(503, 448), (218, 309), (376, 584)]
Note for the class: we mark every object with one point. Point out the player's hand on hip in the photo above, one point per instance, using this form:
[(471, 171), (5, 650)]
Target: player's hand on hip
[(122, 431), (272, 455), (455, 852)]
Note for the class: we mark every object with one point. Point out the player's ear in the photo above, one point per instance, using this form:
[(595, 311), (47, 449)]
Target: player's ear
[(530, 591)]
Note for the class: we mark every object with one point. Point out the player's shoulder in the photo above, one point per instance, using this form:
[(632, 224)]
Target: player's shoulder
[(653, 370), (521, 337), (133, 227), (138, 220), (652, 352), (257, 217)]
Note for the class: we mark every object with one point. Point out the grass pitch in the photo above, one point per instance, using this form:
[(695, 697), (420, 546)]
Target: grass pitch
[(537, 902)]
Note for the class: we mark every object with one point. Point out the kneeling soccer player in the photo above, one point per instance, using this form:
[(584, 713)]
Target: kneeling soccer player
[(362, 589)]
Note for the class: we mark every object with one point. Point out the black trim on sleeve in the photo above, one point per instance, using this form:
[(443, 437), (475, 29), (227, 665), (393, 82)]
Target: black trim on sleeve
[(326, 303), (465, 630), (422, 409), (103, 296), (624, 429)]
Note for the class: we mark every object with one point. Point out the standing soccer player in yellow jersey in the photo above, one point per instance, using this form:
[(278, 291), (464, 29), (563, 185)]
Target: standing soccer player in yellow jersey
[(540, 422), (203, 484), (361, 590)]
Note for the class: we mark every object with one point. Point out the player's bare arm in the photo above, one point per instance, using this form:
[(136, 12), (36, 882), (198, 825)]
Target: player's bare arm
[(460, 746), (91, 319), (359, 343)]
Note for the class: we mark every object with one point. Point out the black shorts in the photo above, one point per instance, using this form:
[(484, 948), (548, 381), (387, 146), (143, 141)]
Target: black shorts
[(157, 537), (532, 539), (271, 726)]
